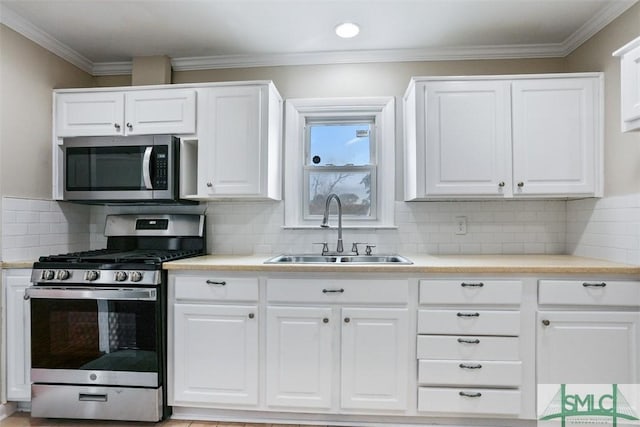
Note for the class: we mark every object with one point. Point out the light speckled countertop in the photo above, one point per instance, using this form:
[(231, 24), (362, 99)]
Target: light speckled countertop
[(557, 264), (16, 264)]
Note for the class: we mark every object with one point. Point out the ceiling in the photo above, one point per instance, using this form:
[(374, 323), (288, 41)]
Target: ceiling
[(102, 36)]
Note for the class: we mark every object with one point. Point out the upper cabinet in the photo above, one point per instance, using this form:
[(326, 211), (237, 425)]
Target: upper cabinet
[(503, 136), (630, 84), (117, 113), (239, 147)]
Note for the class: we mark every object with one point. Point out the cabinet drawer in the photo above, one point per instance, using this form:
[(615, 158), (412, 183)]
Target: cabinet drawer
[(216, 288), (469, 322), (467, 347), (338, 291), (469, 401), (589, 292), (470, 373), (470, 291)]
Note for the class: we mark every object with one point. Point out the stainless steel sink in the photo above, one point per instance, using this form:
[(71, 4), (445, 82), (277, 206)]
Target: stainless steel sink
[(338, 259)]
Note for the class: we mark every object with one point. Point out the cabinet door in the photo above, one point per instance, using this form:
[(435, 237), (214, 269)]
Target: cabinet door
[(18, 336), (233, 142), (555, 133), (160, 112), (215, 354), (630, 84), (89, 114), (588, 347), (375, 358), (299, 357), (468, 138)]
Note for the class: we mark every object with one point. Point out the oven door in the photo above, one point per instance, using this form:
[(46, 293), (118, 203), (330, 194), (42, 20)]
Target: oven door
[(95, 336)]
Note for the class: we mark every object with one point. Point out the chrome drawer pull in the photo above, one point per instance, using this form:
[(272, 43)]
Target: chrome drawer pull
[(465, 394), (88, 397), (465, 366), (213, 282), (468, 341), (472, 285), (332, 291), (468, 314), (594, 285)]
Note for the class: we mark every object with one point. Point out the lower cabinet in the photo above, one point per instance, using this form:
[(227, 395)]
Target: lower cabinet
[(213, 341), (325, 351), (18, 335), (216, 354)]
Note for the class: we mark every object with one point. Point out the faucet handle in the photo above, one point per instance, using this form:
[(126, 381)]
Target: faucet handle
[(367, 250), (325, 247), (354, 247)]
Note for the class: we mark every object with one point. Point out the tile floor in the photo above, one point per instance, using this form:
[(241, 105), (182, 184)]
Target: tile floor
[(22, 419)]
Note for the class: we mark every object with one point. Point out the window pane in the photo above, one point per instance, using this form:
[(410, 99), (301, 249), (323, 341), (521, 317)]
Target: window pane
[(353, 188), (339, 144)]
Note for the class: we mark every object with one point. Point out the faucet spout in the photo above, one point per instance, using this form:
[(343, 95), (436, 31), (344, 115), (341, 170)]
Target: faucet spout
[(325, 219)]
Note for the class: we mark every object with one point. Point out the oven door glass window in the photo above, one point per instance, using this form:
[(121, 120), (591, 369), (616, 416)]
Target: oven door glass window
[(105, 168), (109, 335)]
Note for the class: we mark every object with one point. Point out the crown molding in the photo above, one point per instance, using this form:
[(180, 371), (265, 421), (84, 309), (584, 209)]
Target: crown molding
[(20, 25), (553, 50), (112, 68), (595, 24)]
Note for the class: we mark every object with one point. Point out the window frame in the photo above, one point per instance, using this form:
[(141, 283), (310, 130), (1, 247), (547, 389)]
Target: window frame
[(300, 112)]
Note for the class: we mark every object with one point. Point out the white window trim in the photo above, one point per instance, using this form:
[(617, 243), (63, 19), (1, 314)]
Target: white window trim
[(296, 113)]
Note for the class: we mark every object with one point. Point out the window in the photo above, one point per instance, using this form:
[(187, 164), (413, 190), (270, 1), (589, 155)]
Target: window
[(343, 146)]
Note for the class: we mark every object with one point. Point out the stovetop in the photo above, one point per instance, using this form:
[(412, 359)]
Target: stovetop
[(112, 257)]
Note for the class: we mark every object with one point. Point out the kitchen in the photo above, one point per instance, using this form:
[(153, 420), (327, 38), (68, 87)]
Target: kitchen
[(606, 228)]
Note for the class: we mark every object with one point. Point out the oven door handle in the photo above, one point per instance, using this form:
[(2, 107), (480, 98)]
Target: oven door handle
[(121, 294)]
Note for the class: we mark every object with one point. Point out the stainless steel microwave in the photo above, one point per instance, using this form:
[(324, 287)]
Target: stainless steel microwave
[(121, 169)]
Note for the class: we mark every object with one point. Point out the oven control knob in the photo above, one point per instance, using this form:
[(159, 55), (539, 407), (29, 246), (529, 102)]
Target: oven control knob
[(136, 276), (62, 274), (48, 274), (121, 276), (92, 275)]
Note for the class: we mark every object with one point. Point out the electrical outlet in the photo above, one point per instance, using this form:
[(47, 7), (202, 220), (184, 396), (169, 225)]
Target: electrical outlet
[(461, 225)]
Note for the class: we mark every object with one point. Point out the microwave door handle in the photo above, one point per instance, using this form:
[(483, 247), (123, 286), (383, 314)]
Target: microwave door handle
[(146, 168)]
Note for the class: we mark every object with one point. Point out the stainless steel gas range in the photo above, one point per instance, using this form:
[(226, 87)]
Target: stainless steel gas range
[(98, 321)]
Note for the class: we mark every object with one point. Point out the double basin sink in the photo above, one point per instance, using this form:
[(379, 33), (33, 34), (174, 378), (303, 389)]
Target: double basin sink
[(338, 259)]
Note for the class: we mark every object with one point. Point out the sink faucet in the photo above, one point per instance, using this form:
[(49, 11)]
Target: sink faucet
[(325, 219)]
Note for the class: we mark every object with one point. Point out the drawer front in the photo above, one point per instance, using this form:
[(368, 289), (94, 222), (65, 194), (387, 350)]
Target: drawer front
[(470, 373), (471, 291), (470, 401), (216, 288), (469, 322), (589, 292), (446, 347), (338, 291)]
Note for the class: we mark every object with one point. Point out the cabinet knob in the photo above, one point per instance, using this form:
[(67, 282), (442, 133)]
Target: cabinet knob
[(325, 320), (209, 184), (545, 322), (347, 320), (501, 184), (117, 126), (129, 125), (520, 184), (251, 315)]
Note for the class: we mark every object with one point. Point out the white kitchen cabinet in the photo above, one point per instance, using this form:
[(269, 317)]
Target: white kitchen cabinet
[(213, 341), (555, 136), (630, 84), (299, 357), (239, 144), (597, 342), (118, 113), (374, 358), (17, 332), (503, 137), (348, 350), (215, 354)]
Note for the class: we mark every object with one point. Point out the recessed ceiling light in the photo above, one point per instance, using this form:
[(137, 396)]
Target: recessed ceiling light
[(347, 30)]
